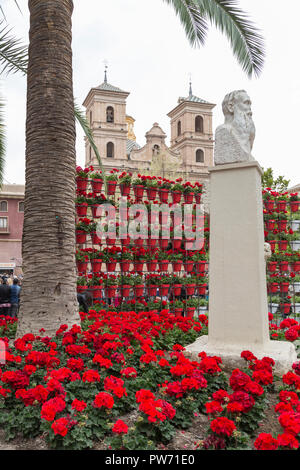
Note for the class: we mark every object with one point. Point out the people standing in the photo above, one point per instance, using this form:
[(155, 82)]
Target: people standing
[(15, 298), (4, 297)]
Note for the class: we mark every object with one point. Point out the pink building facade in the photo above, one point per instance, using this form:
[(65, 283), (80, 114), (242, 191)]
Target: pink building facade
[(11, 228)]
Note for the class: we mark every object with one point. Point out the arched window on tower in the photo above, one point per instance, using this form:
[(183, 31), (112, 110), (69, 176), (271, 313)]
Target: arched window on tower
[(110, 150), (199, 124), (109, 114), (155, 149), (199, 156), (179, 128), (3, 206)]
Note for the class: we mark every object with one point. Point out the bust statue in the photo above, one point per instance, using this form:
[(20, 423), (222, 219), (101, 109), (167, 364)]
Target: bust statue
[(234, 139)]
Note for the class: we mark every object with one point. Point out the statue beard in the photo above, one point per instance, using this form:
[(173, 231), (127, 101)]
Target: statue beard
[(245, 130)]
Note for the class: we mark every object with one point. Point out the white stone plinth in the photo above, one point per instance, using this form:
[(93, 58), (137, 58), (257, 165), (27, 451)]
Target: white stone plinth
[(238, 307)]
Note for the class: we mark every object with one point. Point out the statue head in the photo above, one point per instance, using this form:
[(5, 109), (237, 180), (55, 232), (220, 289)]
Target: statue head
[(238, 115), (236, 102)]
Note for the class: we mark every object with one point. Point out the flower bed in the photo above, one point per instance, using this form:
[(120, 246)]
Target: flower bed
[(80, 387)]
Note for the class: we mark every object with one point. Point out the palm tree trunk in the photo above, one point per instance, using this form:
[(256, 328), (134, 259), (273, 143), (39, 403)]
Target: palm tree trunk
[(48, 296)]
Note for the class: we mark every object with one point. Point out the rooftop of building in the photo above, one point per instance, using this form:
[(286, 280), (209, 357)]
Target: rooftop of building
[(12, 190)]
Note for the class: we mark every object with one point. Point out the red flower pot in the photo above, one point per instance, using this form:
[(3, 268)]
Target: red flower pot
[(190, 312), (81, 266), (198, 197), (281, 224), (282, 245), (270, 224), (110, 291), (80, 237), (188, 265), (97, 291), (138, 191), (272, 265), (163, 265), (176, 243), (202, 289), (138, 266), (188, 198), (152, 290), (124, 189), (81, 183), (81, 209), (296, 266), (272, 244), (96, 265), (176, 196), (151, 265), (281, 205), (125, 289), (200, 266), (97, 185), (124, 265), (294, 205), (111, 266), (110, 240), (139, 290), (269, 205), (95, 213), (163, 195), (111, 187), (151, 242), (190, 289), (81, 289), (176, 289), (284, 266), (151, 193), (284, 287), (177, 265), (163, 243), (273, 287), (95, 239), (178, 312), (164, 290), (125, 241)]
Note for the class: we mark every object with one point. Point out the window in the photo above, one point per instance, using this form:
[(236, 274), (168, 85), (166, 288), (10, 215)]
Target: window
[(109, 114), (91, 118), (21, 206), (199, 124), (3, 206), (179, 128), (90, 153), (199, 156), (3, 224), (155, 149), (110, 150)]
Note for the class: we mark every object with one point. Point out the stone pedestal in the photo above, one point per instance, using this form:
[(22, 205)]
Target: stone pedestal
[(238, 308)]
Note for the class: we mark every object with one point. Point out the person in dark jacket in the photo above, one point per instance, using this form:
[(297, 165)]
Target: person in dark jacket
[(4, 297), (14, 298)]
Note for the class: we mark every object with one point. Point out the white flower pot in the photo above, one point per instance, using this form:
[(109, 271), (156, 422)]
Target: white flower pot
[(295, 245), (297, 287), (273, 308), (203, 311), (295, 225)]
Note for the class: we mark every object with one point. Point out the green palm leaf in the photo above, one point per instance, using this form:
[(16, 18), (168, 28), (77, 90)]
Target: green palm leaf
[(81, 118), (192, 20), (13, 55), (245, 39)]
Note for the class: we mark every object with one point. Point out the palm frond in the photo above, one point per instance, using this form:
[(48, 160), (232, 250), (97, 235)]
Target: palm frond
[(2, 142), (192, 20), (82, 120), (13, 55), (245, 39)]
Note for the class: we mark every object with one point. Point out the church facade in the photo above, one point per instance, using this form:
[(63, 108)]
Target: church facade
[(191, 145)]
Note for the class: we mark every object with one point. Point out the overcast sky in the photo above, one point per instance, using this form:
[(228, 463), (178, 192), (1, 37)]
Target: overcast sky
[(150, 57)]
